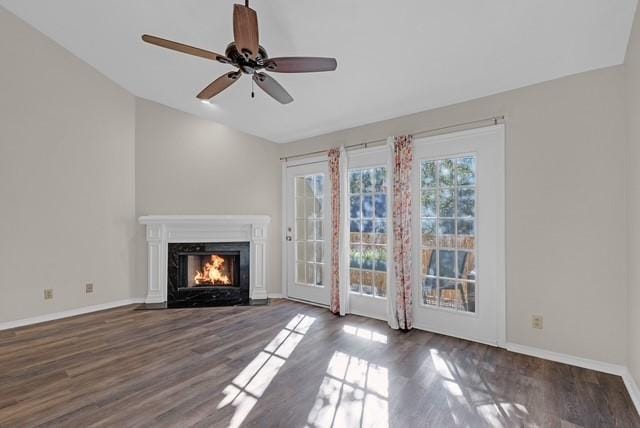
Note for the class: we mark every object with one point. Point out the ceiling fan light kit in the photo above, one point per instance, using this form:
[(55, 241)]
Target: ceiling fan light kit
[(249, 57)]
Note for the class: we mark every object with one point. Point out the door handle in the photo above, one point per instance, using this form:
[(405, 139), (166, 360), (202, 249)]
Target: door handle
[(288, 238)]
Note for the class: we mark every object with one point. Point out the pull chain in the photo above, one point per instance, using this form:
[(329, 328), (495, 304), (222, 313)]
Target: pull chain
[(253, 95)]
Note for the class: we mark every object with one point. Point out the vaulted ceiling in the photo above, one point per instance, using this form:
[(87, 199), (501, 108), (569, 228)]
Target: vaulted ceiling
[(394, 57)]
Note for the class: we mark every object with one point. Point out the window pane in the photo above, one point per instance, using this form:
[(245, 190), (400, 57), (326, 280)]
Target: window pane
[(367, 226), (446, 172), (381, 258), (318, 227), (300, 246), (380, 280), (354, 280), (367, 283), (428, 203), (380, 229), (466, 171), (447, 203), (356, 256), (367, 181), (447, 264), (428, 174), (429, 258), (467, 265), (446, 227), (356, 226), (368, 256), (318, 207), (311, 273), (429, 233), (381, 205), (430, 290), (319, 274), (301, 273), (355, 206), (381, 180), (465, 227), (308, 185), (319, 185), (311, 230), (311, 251), (466, 202), (319, 252), (355, 182), (310, 207), (367, 206)]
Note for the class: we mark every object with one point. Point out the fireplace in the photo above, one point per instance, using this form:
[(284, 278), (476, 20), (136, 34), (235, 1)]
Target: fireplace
[(208, 274)]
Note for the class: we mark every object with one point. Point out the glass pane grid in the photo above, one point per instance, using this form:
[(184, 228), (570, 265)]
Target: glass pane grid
[(309, 234), (368, 200), (447, 212)]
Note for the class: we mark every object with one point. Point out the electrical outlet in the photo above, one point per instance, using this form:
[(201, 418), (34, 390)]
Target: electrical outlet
[(48, 293), (88, 287), (536, 321)]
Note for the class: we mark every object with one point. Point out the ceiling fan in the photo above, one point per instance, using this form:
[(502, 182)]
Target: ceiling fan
[(249, 57)]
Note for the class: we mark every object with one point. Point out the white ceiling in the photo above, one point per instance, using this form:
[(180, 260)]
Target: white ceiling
[(394, 57)]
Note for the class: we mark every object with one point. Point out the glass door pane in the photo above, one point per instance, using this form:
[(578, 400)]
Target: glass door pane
[(448, 225), (309, 233), (368, 213)]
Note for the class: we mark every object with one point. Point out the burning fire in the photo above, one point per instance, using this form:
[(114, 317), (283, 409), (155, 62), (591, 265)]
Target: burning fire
[(212, 273)]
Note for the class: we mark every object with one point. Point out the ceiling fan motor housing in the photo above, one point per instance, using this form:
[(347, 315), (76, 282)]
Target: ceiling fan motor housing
[(245, 63)]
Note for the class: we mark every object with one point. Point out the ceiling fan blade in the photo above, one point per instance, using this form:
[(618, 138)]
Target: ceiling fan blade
[(219, 85), (272, 87), (245, 30), (300, 64), (185, 48)]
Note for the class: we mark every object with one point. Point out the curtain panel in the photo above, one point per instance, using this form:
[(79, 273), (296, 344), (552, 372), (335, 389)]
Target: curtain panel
[(334, 176), (402, 164)]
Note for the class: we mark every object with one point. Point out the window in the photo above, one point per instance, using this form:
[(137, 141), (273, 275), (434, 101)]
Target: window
[(448, 215), (309, 237), (368, 231)]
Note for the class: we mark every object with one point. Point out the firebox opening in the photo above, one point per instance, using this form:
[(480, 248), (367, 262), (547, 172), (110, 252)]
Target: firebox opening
[(212, 270)]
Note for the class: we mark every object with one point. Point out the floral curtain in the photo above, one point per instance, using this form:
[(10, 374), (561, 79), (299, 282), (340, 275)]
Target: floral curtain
[(402, 162), (334, 176)]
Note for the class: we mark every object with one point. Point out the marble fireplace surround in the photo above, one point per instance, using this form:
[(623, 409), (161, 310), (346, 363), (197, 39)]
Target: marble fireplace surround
[(163, 229)]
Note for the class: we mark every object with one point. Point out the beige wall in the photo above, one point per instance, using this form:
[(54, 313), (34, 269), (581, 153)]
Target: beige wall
[(66, 178), (565, 155), (187, 165), (632, 66)]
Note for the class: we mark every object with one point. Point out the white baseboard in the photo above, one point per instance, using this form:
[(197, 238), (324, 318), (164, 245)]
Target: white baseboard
[(275, 296), (632, 387), (70, 313), (585, 363)]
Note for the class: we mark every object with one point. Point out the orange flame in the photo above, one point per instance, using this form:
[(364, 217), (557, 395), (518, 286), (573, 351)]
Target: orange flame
[(212, 273)]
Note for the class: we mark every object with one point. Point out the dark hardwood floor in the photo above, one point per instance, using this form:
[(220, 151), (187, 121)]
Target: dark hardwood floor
[(288, 365)]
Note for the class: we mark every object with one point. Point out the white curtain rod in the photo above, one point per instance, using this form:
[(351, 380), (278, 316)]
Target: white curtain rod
[(475, 123)]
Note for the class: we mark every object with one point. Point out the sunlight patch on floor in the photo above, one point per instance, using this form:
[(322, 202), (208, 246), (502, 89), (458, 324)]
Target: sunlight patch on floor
[(364, 333), (476, 396), (353, 393), (248, 386)]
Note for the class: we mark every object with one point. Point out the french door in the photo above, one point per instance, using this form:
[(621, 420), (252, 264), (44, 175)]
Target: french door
[(307, 225), (458, 191)]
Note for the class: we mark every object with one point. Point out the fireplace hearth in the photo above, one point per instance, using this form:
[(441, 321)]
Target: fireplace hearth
[(208, 274)]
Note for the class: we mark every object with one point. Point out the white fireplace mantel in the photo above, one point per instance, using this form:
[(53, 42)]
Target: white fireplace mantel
[(163, 229)]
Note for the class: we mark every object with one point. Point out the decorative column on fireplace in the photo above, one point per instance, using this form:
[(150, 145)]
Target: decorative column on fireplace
[(206, 260)]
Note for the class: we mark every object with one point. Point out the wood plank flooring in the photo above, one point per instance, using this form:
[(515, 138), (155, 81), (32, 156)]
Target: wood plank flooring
[(284, 365)]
